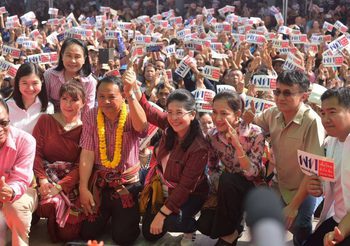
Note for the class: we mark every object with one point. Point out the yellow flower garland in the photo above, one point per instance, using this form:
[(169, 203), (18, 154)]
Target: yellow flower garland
[(118, 138)]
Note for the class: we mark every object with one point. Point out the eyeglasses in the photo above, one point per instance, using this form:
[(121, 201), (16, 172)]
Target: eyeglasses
[(178, 114), (285, 93), (4, 123)]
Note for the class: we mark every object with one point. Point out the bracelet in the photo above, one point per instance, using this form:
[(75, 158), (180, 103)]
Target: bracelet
[(162, 213), (137, 90), (240, 157)]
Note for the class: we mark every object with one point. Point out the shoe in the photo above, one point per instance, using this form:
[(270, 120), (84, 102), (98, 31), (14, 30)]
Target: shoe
[(222, 242), (188, 239), (268, 178)]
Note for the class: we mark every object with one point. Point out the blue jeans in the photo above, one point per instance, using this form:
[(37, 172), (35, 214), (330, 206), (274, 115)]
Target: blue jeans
[(302, 226)]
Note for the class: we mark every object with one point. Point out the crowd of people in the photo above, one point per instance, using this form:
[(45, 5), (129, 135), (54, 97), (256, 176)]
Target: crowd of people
[(112, 120)]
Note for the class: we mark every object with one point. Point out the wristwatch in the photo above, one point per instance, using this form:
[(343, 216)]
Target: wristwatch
[(131, 96), (58, 187)]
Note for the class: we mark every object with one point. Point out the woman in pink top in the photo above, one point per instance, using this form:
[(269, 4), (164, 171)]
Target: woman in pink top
[(73, 64)]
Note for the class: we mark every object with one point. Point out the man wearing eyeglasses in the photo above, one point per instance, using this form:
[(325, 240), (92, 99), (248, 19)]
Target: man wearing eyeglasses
[(292, 126), (17, 200)]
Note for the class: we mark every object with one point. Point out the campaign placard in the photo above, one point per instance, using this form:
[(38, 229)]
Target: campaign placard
[(229, 88), (43, 58), (161, 23), (21, 39), (320, 166), (277, 43), (255, 39), (53, 11), (340, 26), (104, 9), (124, 25), (181, 34), (259, 104), (232, 18), (3, 10), (169, 74), (285, 30), (203, 95), (299, 39), (333, 61), (293, 63), (143, 39), (223, 27), (34, 34), (319, 39), (15, 53), (327, 26), (137, 51), (170, 50), (279, 18), (29, 44), (264, 82), (180, 54), (52, 38), (217, 46), (112, 34), (9, 67), (270, 36), (238, 37), (182, 69), (212, 73), (204, 107), (338, 44)]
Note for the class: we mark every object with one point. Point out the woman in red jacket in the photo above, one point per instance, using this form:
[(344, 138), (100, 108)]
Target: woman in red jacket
[(176, 187)]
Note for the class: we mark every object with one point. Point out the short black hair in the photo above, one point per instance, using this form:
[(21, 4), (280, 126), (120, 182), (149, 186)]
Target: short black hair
[(111, 80), (233, 100), (294, 77), (342, 94)]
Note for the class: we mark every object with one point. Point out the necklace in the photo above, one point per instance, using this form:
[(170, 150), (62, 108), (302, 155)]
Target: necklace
[(101, 130)]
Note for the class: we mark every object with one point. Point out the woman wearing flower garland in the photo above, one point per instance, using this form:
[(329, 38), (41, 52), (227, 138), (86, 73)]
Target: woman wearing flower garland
[(176, 187), (109, 163)]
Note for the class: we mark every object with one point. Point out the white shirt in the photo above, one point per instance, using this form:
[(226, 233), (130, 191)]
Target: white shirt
[(27, 119), (339, 204)]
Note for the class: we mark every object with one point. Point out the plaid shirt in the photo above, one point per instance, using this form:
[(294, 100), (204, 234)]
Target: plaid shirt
[(130, 150)]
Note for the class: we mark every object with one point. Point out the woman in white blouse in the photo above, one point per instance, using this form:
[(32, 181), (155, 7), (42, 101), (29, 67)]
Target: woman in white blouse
[(29, 99)]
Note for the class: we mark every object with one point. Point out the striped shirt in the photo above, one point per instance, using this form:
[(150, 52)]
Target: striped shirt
[(130, 150), (55, 79)]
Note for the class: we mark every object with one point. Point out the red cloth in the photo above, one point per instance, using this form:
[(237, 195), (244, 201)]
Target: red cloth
[(56, 144), (53, 144), (184, 168)]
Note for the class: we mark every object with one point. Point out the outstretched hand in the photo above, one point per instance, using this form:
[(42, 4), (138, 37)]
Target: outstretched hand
[(249, 114), (129, 80)]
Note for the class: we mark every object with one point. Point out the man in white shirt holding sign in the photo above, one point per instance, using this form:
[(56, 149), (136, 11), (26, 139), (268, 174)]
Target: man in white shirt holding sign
[(334, 225)]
